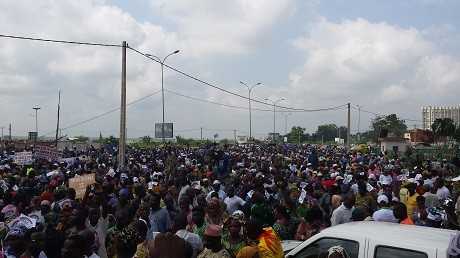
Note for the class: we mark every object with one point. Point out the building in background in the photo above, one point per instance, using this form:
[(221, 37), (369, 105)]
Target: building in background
[(416, 136), (430, 113)]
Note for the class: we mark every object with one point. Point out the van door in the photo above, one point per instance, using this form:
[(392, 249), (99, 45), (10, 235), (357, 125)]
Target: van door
[(320, 248), (398, 250)]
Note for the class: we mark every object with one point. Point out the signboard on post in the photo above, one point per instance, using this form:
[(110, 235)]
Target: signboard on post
[(168, 130), (49, 153), (80, 183), (23, 158), (33, 136)]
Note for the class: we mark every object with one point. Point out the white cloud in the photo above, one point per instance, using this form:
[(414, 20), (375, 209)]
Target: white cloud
[(381, 66), (224, 27), (32, 72)]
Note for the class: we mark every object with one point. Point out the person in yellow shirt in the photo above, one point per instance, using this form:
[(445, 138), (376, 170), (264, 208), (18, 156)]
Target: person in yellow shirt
[(411, 202), (268, 243)]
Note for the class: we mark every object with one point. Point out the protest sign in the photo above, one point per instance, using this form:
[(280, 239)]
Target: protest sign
[(49, 153), (79, 183), (23, 158)]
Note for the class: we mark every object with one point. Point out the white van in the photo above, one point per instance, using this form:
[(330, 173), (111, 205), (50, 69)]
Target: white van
[(377, 240)]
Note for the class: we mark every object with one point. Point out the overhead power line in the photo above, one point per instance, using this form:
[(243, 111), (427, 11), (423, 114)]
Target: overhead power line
[(233, 106), (230, 92), (380, 114), (60, 41), (105, 113)]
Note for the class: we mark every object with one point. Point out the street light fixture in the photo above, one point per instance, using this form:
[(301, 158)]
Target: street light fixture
[(162, 62), (274, 114), (250, 88)]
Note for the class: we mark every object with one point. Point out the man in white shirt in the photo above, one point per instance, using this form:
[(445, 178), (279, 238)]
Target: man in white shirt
[(385, 213), (442, 192), (180, 223), (343, 213), (216, 186), (232, 201)]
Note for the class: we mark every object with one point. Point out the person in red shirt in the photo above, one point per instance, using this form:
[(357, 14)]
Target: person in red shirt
[(400, 212)]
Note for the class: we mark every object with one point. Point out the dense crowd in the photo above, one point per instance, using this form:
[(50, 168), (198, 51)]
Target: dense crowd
[(212, 201)]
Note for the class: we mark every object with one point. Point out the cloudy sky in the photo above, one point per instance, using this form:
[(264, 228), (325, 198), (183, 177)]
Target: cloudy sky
[(388, 56)]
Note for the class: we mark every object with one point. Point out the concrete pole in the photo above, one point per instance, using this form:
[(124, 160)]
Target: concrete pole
[(274, 120), (122, 140), (58, 111), (348, 126)]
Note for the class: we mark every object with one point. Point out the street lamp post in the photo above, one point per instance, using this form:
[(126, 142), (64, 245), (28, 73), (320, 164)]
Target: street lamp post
[(162, 90), (274, 114), (36, 120), (250, 88)]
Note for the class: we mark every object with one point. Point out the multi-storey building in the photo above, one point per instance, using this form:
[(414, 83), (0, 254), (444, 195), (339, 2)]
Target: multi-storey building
[(430, 114)]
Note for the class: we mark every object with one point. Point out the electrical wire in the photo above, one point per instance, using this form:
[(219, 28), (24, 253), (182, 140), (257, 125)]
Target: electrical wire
[(379, 114), (233, 106), (230, 92), (60, 41), (104, 113)]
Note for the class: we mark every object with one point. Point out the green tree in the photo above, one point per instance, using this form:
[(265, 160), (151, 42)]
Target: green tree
[(443, 128), (296, 135), (327, 132), (390, 124), (457, 134)]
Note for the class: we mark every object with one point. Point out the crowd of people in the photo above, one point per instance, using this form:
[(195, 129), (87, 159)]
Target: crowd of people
[(211, 201)]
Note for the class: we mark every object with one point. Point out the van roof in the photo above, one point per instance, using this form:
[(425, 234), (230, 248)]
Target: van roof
[(383, 231)]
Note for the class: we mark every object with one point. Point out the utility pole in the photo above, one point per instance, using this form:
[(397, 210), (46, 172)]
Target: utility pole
[(58, 111), (201, 133), (2, 132), (234, 135), (299, 136), (122, 140), (9, 128), (274, 115), (36, 122), (348, 126), (359, 122)]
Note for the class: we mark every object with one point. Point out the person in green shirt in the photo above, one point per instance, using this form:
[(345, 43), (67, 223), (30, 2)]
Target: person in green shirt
[(231, 238)]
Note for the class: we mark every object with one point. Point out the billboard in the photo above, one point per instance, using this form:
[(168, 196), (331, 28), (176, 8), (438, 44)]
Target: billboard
[(33, 136), (168, 130)]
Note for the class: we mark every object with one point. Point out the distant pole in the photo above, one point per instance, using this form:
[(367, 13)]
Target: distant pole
[(201, 133), (36, 121), (274, 119), (359, 122), (58, 111), (2, 133), (234, 135), (299, 136), (348, 126), (122, 140), (9, 128), (274, 115)]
